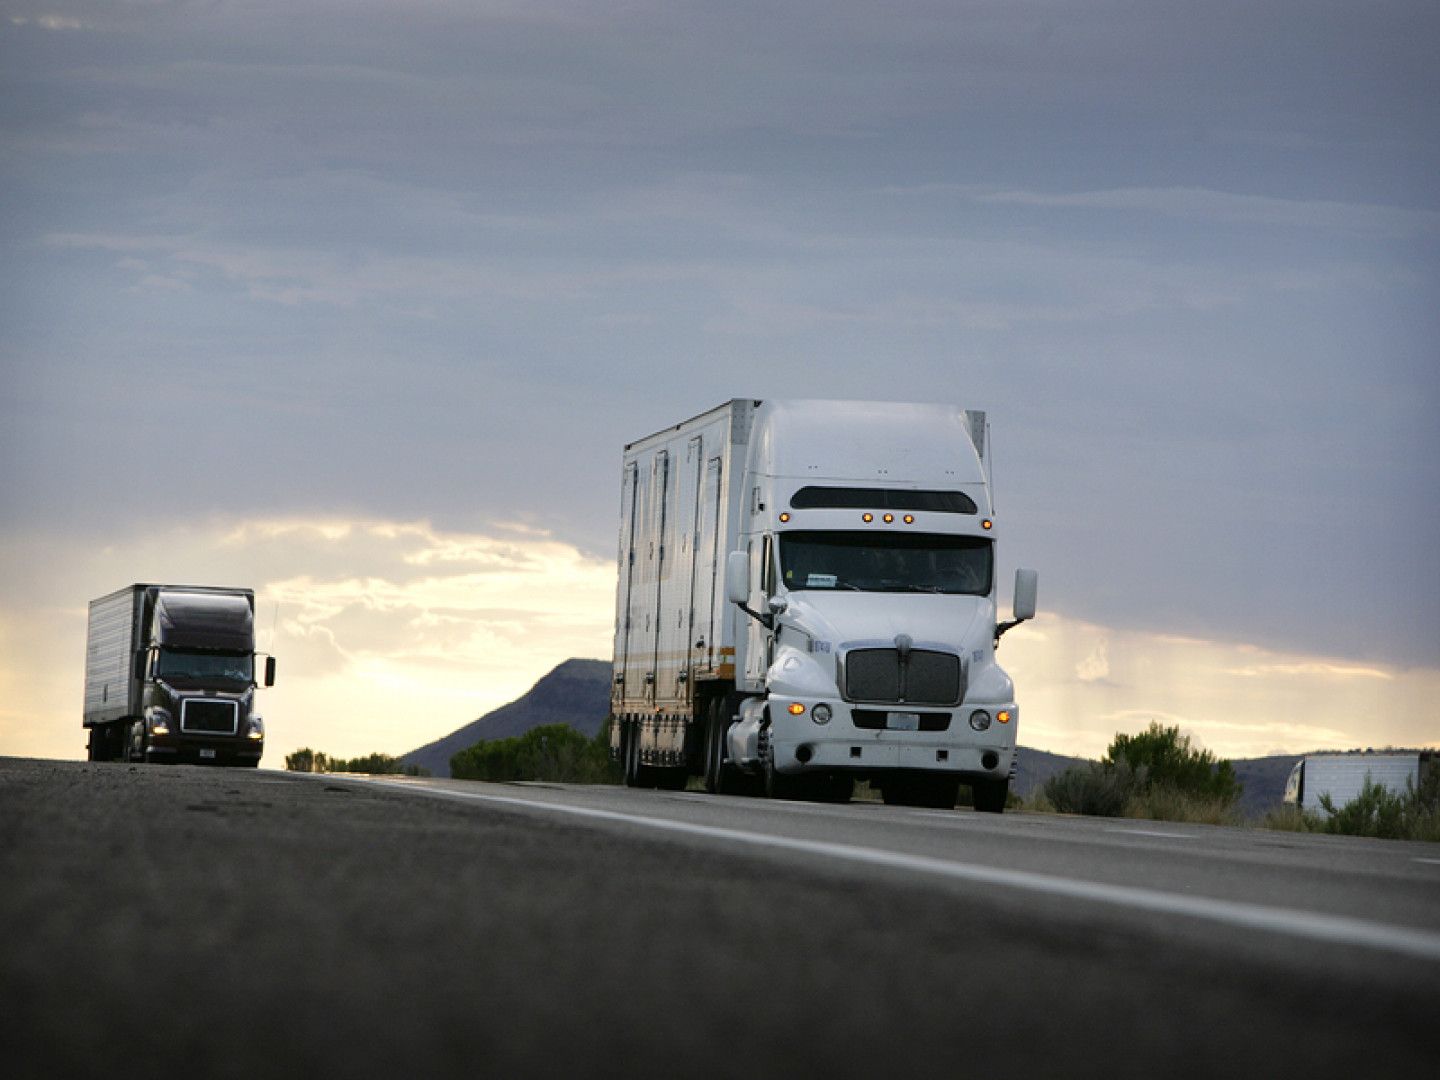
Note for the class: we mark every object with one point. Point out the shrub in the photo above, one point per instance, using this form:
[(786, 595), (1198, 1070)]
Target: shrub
[(555, 752), (1169, 761), (1162, 802), (1099, 788), (308, 760), (305, 760)]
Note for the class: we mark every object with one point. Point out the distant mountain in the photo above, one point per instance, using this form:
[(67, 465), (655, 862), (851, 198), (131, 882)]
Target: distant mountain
[(578, 693), (575, 693)]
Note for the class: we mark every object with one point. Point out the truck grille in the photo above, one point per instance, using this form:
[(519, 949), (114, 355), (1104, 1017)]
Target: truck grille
[(925, 678), (878, 720), (207, 717)]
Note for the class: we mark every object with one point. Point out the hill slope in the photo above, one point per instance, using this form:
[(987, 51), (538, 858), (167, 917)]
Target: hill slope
[(575, 693)]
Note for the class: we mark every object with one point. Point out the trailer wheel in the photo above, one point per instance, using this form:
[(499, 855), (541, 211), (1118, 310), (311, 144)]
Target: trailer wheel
[(637, 775), (990, 795)]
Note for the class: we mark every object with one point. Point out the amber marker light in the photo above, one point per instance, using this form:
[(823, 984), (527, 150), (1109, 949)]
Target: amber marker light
[(796, 708), (784, 518), (985, 524), (867, 518), (909, 519), (889, 519), (1003, 716)]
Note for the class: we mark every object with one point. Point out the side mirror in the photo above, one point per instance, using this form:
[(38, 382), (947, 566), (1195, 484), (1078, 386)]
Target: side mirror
[(1026, 583), (270, 671), (737, 577), (778, 605)]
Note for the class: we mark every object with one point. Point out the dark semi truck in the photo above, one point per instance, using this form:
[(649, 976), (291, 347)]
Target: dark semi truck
[(170, 676)]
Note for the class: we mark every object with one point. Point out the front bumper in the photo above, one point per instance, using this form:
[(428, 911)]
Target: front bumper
[(854, 743), (204, 750)]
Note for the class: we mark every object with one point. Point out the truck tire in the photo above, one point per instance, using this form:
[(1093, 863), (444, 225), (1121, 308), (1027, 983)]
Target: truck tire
[(717, 777), (102, 743), (134, 750), (778, 785), (990, 795), (636, 774), (834, 787)]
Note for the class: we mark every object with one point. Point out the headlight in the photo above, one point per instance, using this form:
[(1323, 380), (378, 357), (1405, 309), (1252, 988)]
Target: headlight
[(979, 719), (254, 728), (820, 714), (159, 722)]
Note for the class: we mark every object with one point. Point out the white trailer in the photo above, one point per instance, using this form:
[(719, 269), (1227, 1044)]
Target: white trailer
[(807, 596), (1341, 777)]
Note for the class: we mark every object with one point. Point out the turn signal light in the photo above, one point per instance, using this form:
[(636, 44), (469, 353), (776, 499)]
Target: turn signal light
[(1003, 716), (796, 708)]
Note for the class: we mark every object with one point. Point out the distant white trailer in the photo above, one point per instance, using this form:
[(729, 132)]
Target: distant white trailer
[(1342, 776)]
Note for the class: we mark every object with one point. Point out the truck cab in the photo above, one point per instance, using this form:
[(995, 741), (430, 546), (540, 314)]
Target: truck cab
[(869, 584)]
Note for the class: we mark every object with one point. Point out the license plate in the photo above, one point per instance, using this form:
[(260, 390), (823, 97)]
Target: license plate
[(207, 754), (903, 721)]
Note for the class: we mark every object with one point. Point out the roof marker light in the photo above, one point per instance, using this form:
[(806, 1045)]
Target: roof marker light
[(909, 519), (986, 523), (784, 518), (889, 519), (867, 518)]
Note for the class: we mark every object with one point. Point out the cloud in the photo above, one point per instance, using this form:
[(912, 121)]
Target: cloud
[(49, 22), (1202, 204)]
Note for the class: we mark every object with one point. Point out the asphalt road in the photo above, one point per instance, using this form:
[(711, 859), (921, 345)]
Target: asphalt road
[(169, 920)]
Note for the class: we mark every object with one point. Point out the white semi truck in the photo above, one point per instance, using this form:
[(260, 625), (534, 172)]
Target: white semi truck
[(807, 597)]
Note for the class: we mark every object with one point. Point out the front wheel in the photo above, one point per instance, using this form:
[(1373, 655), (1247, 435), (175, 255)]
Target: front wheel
[(717, 779), (990, 795), (135, 744)]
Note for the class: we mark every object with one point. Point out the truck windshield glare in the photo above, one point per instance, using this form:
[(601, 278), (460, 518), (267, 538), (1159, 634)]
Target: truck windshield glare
[(886, 562), (175, 664)]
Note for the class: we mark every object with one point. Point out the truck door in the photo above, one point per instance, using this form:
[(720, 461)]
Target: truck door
[(758, 638)]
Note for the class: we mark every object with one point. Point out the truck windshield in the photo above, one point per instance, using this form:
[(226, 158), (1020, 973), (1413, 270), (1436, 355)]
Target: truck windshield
[(886, 562), (178, 664)]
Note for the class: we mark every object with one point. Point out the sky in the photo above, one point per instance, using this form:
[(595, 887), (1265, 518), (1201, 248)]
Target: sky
[(357, 303)]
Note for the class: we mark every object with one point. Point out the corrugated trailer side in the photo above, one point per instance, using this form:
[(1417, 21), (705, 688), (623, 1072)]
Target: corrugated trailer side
[(110, 655), (1343, 776), (674, 635)]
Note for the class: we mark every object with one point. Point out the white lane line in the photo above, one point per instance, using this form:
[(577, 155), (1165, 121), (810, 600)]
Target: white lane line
[(1153, 832), (1432, 862), (1421, 944)]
